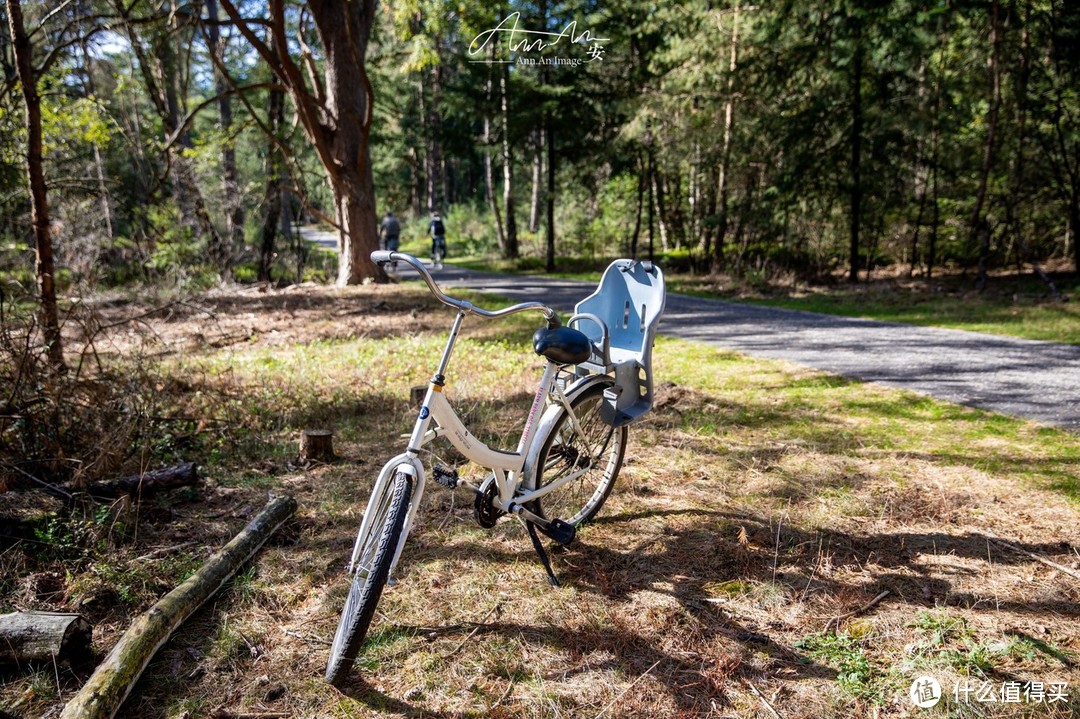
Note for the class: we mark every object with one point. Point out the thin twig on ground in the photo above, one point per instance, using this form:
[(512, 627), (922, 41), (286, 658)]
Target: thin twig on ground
[(855, 612), (623, 693), (478, 627), (161, 552), (776, 550), (764, 701), (1048, 562), (49, 488), (309, 640)]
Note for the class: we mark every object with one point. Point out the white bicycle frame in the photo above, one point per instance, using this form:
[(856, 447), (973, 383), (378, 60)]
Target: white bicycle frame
[(509, 469)]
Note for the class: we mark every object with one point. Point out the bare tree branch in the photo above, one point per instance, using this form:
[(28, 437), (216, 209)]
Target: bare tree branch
[(309, 62), (41, 26), (186, 121)]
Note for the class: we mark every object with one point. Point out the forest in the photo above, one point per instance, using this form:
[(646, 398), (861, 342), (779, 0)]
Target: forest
[(169, 333), (181, 142)]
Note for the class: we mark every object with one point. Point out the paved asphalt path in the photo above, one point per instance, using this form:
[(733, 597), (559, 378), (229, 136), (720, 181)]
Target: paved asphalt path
[(1023, 378)]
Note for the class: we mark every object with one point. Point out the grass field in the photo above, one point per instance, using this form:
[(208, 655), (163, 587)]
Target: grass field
[(780, 540)]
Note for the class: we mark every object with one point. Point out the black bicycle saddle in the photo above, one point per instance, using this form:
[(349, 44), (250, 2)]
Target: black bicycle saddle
[(562, 345)]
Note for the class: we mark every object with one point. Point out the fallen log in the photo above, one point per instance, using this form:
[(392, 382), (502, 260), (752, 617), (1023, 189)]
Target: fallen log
[(44, 637), (111, 682), (147, 483)]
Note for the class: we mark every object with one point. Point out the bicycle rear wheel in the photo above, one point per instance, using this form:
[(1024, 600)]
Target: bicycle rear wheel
[(592, 458), (369, 575)]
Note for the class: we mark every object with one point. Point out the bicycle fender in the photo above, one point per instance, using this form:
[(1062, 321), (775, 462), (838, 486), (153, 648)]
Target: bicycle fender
[(411, 465), (547, 422)]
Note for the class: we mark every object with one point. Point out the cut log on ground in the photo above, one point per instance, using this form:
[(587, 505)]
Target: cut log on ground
[(113, 679), (317, 445), (44, 637), (142, 485)]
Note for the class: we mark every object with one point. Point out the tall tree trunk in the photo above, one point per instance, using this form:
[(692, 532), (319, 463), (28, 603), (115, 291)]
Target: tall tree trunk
[(935, 154), (275, 112), (511, 251), (39, 202), (336, 117), (725, 151), (489, 177), (1018, 168), (979, 226), (161, 77), (550, 198), (935, 216), (856, 151), (661, 209), (650, 172), (103, 189), (424, 191), (1074, 223), (709, 230), (234, 207), (921, 174), (537, 180), (185, 184), (436, 169), (637, 215), (414, 187)]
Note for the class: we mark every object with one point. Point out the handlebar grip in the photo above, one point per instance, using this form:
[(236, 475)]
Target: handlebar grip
[(381, 257)]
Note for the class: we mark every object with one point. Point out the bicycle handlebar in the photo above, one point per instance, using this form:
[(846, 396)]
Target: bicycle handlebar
[(382, 257)]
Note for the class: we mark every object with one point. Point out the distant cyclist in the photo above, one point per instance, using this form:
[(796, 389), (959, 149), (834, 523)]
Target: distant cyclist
[(438, 239), (390, 231)]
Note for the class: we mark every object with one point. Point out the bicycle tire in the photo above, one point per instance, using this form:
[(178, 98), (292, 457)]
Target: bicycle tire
[(578, 501), (376, 555)]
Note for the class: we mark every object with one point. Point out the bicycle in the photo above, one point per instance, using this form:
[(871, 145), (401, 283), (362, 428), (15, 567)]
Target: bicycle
[(594, 384)]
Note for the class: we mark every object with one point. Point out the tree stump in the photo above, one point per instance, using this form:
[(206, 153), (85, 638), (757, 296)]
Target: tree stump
[(44, 637), (317, 445)]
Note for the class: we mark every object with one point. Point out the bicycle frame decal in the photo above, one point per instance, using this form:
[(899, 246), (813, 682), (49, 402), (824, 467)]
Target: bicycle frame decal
[(541, 393)]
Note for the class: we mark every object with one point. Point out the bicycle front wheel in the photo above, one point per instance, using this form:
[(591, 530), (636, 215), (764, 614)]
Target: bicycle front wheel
[(369, 575), (586, 458)]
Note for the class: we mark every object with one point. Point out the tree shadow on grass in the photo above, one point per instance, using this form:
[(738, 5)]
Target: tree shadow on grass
[(691, 681), (685, 554)]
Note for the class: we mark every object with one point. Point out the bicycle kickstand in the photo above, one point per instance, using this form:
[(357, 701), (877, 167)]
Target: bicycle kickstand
[(542, 553)]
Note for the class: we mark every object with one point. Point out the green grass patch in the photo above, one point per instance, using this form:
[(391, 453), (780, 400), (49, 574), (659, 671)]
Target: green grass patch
[(855, 674)]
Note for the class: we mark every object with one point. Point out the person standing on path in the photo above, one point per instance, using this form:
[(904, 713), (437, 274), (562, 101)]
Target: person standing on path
[(390, 229), (438, 239)]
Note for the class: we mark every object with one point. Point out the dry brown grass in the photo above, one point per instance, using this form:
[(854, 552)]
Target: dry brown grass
[(758, 503)]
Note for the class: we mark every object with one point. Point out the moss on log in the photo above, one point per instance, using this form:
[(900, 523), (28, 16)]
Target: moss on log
[(113, 679)]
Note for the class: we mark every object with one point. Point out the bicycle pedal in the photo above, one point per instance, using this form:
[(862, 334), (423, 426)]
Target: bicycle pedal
[(561, 532), (446, 477)]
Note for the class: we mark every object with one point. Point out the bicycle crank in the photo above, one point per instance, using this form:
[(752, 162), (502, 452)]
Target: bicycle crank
[(484, 509)]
